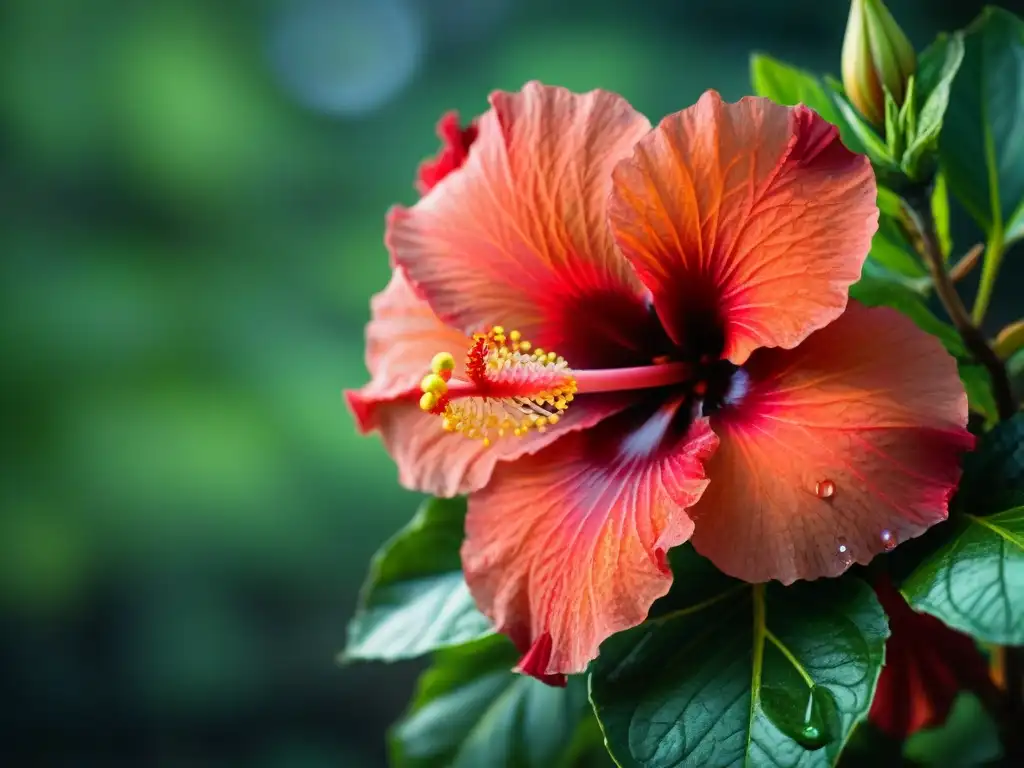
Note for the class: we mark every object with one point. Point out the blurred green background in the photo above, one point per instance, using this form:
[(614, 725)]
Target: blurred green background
[(192, 197)]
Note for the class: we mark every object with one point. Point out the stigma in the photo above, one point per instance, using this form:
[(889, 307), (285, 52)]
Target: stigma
[(510, 388)]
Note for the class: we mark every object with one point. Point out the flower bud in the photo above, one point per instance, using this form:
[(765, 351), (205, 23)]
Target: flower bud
[(876, 55)]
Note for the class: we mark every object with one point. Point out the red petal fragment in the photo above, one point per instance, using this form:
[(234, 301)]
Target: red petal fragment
[(926, 665), (455, 144), (536, 661)]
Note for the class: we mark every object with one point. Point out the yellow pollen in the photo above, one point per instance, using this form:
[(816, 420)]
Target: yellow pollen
[(532, 388), (442, 361), (432, 382)]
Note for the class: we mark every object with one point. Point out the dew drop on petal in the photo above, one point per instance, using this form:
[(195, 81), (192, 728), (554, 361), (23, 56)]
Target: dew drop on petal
[(888, 540), (843, 552), (825, 489)]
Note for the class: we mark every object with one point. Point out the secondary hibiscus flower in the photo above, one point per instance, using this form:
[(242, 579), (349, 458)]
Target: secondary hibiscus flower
[(926, 665), (693, 280)]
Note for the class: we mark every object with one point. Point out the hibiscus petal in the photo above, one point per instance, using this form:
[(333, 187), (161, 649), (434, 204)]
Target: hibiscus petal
[(839, 449), (567, 547), (747, 221), (519, 236), (401, 338), (455, 144)]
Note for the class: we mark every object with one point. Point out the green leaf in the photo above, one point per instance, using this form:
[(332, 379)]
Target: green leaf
[(875, 292), (416, 599), (1015, 227), (893, 258), (790, 86), (908, 112), (742, 675), (982, 141), (975, 582), (936, 68), (968, 737), (995, 470), (940, 213), (1015, 370), (889, 203), (894, 125), (470, 711), (874, 145)]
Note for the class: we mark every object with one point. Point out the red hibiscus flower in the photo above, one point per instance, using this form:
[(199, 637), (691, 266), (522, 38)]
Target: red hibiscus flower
[(710, 382), (926, 665)]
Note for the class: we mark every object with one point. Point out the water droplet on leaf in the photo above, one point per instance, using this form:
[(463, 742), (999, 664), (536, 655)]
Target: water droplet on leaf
[(825, 489), (809, 717), (810, 734), (888, 540)]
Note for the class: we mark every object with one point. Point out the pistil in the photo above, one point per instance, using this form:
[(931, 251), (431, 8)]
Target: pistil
[(511, 388)]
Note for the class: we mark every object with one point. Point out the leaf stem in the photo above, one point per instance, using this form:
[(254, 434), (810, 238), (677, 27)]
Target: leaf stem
[(918, 216), (989, 270), (967, 262)]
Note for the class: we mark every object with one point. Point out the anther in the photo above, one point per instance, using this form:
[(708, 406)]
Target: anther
[(510, 391), (443, 364), (433, 382)]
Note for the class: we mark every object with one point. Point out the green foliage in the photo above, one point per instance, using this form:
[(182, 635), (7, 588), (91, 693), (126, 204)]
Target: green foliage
[(415, 599), (940, 214), (894, 259), (975, 581), (741, 674), (1015, 370), (936, 68), (895, 125), (982, 142), (910, 138), (875, 146), (968, 737), (995, 471), (471, 710), (978, 385)]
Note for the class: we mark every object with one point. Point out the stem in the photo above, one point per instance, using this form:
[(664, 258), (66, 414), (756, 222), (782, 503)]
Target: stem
[(920, 217), (967, 262), (989, 270)]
